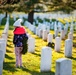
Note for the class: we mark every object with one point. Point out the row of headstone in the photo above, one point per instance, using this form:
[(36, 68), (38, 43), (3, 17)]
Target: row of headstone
[(46, 63), (51, 15), (51, 24), (3, 42), (65, 32), (46, 55), (68, 53), (49, 37), (42, 30), (68, 46)]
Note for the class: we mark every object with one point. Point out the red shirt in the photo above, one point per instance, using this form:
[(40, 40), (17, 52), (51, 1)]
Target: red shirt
[(19, 30)]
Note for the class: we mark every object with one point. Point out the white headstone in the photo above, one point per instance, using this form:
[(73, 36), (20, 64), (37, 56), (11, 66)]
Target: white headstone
[(3, 48), (34, 29), (71, 28), (63, 66), (46, 59), (3, 44), (1, 61), (37, 31), (65, 29), (31, 45), (40, 32), (70, 35), (57, 44), (44, 36), (62, 34), (56, 33), (68, 48), (50, 38), (4, 36)]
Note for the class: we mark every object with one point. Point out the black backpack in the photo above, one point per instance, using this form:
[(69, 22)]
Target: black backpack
[(25, 45)]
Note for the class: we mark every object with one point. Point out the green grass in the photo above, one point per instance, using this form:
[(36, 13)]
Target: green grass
[(31, 61)]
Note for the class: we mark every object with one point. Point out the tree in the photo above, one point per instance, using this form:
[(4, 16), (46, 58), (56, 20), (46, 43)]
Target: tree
[(32, 5), (8, 5), (29, 6)]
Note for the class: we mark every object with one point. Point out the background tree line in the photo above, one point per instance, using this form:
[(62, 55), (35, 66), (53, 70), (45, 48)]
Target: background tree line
[(31, 6)]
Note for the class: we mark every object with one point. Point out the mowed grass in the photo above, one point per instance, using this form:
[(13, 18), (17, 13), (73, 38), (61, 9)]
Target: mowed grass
[(31, 61)]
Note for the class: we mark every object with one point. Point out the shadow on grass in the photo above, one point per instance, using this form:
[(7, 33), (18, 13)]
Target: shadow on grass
[(8, 51), (9, 37), (9, 40), (1, 28), (37, 50), (72, 58), (9, 66), (6, 56), (60, 52), (9, 45), (36, 54), (38, 73), (74, 44)]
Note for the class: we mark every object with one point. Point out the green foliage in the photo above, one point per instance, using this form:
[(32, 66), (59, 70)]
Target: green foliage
[(28, 5), (3, 22), (40, 20), (56, 1), (53, 20), (48, 20)]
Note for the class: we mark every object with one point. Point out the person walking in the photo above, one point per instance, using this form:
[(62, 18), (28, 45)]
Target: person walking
[(19, 32)]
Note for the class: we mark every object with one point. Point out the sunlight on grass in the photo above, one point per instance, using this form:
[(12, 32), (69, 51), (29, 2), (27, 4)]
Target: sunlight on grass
[(1, 30)]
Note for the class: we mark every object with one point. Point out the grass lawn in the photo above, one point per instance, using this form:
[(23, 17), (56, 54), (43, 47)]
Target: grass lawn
[(31, 61)]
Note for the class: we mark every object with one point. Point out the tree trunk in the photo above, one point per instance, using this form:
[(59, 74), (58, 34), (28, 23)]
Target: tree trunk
[(30, 17)]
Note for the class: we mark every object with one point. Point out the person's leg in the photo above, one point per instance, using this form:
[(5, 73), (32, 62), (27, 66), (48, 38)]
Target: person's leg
[(20, 56), (17, 56)]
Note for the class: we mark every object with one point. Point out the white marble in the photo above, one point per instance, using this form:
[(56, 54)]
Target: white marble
[(70, 35), (63, 66), (31, 45), (50, 38), (62, 35), (46, 59), (3, 45), (68, 48), (57, 44), (40, 33), (1, 61), (44, 35), (56, 33)]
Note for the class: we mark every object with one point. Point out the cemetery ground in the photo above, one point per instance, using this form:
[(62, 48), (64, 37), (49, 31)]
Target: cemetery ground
[(31, 61)]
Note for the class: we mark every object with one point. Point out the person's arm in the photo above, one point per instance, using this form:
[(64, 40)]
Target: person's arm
[(14, 39)]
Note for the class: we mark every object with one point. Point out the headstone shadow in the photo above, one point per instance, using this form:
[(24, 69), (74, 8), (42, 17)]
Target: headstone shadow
[(9, 66), (38, 73), (8, 57)]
